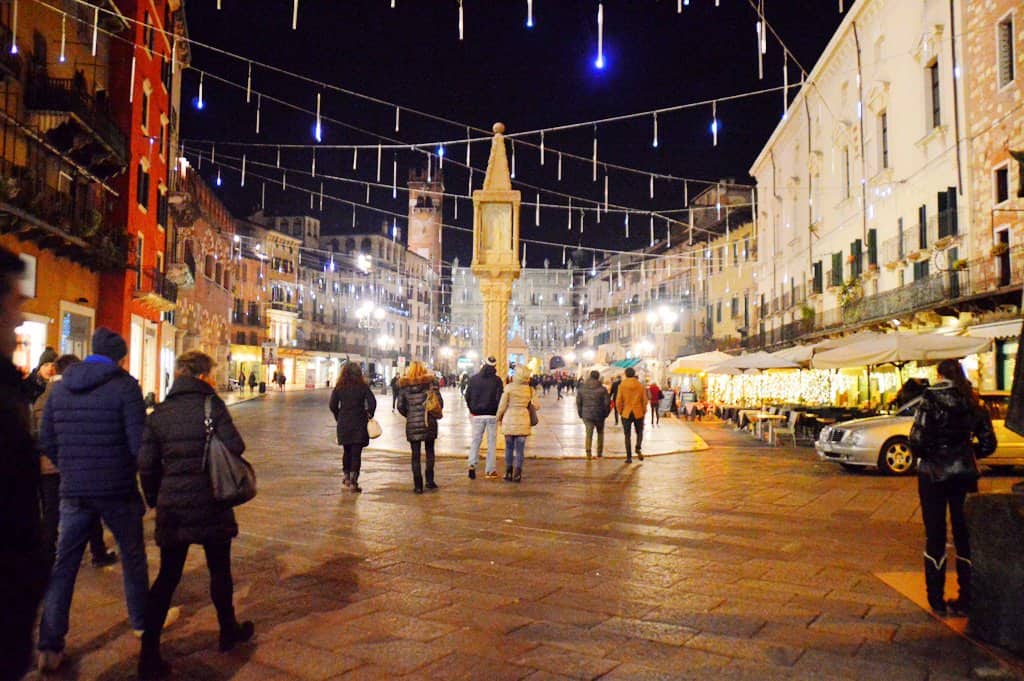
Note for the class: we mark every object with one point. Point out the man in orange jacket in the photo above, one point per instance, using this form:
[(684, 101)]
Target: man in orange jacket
[(631, 403)]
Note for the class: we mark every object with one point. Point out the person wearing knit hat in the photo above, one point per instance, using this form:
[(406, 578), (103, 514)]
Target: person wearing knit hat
[(92, 431)]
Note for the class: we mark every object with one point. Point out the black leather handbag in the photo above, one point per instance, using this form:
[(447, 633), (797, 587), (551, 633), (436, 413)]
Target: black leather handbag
[(232, 477)]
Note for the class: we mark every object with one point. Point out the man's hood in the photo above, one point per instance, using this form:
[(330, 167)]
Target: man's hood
[(87, 375)]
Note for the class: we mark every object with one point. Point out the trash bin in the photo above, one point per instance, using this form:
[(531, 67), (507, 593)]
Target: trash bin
[(263, 387)]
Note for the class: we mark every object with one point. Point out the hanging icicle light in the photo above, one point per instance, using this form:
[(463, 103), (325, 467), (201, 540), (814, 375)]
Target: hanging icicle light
[(219, 181), (605, 195), (627, 225), (279, 157), (213, 153), (243, 170), (321, 197), (295, 14), (714, 123), (284, 179), (263, 196), (536, 211), (650, 186), (468, 144), (568, 215), (259, 111), (355, 158), (582, 214), (131, 82), (593, 160), (654, 138), (455, 202), (312, 170), (524, 255), (559, 166), (318, 132), (248, 86), (380, 151), (529, 15), (462, 22), (686, 193), (512, 174), (398, 114), (563, 254), (785, 85), (690, 220), (652, 231), (469, 191), (199, 99), (668, 233), (394, 176), (599, 62), (440, 156), (63, 38), (367, 200), (95, 27), (542, 147)]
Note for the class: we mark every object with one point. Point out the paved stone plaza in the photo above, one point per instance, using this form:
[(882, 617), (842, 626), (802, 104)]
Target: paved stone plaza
[(730, 560)]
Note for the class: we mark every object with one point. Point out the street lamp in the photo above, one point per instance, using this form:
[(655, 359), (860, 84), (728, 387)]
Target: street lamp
[(371, 317)]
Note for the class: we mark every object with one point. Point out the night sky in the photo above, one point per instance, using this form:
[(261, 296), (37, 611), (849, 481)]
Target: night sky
[(529, 78)]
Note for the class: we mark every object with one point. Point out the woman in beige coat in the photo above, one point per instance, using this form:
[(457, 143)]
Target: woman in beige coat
[(514, 419)]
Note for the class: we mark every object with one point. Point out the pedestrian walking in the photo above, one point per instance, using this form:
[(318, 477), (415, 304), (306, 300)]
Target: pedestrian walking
[(252, 381), (241, 380), (482, 397), (592, 405), (353, 405), (92, 430), (654, 396), (951, 430), (613, 392), (49, 486), (281, 380), (175, 481), (23, 570), (38, 379), (631, 403), (514, 419), (394, 392), (415, 388)]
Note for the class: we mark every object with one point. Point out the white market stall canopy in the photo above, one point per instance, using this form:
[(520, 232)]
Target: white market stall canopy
[(803, 354), (755, 360), (897, 348), (692, 364)]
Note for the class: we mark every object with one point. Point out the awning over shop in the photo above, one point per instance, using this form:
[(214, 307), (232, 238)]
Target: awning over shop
[(1011, 328), (899, 348), (627, 363)]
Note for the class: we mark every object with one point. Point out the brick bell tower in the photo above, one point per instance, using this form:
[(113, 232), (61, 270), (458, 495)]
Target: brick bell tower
[(426, 200)]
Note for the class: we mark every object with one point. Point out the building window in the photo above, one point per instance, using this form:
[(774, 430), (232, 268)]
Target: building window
[(148, 32), (935, 94), (139, 259), (142, 186), (883, 138), (718, 312), (1004, 50), (163, 136), (1002, 184), (145, 111)]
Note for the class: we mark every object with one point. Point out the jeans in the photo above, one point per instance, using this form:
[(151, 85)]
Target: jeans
[(77, 517), (172, 563), (417, 475), (515, 449), (481, 422), (351, 460), (638, 424), (590, 427), (935, 496), (49, 495)]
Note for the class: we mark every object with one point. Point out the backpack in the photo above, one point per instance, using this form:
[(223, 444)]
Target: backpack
[(432, 405)]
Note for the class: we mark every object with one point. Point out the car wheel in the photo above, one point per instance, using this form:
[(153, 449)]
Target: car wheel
[(850, 468), (896, 457)]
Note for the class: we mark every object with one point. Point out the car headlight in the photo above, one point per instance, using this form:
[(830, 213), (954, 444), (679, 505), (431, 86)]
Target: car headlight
[(857, 438), (824, 434)]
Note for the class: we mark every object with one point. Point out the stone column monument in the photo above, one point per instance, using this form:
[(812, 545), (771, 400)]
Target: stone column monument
[(495, 248)]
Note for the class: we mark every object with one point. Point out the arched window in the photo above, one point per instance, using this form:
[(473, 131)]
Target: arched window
[(366, 246), (350, 245), (208, 266)]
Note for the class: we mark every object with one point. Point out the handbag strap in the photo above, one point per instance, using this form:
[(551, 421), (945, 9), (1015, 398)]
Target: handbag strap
[(208, 427)]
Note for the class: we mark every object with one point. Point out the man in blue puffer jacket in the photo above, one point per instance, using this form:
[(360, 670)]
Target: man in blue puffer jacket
[(92, 430)]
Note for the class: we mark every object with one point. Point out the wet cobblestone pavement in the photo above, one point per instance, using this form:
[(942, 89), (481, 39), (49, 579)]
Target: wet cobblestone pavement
[(739, 561)]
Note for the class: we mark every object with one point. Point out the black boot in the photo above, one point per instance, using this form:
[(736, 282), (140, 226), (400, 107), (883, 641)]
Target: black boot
[(235, 634), (430, 479), (348, 479), (417, 483), (935, 582), (151, 665), (508, 473), (353, 483), (961, 606), (517, 475)]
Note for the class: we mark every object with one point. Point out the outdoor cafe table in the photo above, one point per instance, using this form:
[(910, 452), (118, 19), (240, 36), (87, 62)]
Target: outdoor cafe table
[(772, 420)]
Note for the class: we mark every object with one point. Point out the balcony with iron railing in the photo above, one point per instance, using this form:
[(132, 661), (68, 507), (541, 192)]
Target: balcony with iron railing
[(77, 227), (155, 290), (68, 96), (940, 231)]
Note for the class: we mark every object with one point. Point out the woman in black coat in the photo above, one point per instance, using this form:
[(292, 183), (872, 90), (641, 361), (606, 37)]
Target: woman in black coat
[(174, 480), (353, 405), (950, 432), (420, 427)]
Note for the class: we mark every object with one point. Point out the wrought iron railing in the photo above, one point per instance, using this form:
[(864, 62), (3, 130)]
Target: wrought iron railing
[(64, 94)]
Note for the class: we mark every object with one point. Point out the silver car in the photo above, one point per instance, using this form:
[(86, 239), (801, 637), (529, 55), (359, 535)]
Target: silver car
[(883, 441)]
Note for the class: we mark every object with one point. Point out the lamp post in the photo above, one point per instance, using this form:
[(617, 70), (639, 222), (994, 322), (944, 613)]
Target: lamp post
[(371, 317)]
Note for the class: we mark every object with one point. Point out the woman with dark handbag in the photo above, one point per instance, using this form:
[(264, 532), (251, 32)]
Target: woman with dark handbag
[(175, 481), (414, 389), (950, 432), (353, 405)]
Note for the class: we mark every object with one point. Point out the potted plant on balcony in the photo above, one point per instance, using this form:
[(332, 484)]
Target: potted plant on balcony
[(959, 264), (850, 292), (999, 249), (807, 317)]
